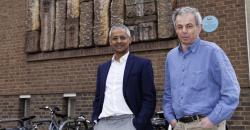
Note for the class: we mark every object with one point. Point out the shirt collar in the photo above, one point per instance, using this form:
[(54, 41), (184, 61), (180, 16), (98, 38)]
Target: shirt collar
[(122, 59), (194, 46)]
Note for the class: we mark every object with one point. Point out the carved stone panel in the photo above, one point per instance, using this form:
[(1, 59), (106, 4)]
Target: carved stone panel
[(86, 24), (165, 26), (117, 12), (33, 20), (132, 2), (140, 9), (131, 11), (147, 31), (72, 32), (141, 16), (32, 42), (149, 8), (73, 24), (60, 24), (135, 10), (47, 15), (134, 33), (85, 1), (101, 22), (73, 8)]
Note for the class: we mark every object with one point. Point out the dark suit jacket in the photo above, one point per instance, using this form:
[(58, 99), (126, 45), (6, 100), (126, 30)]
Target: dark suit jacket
[(138, 90)]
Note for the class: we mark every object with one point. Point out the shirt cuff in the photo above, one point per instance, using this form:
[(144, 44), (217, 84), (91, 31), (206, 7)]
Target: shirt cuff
[(214, 119), (170, 118)]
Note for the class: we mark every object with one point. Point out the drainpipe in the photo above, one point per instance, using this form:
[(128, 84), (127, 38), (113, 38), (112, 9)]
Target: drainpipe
[(247, 14)]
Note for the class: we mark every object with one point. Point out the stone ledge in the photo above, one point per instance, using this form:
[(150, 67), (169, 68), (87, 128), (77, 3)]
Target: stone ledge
[(96, 51)]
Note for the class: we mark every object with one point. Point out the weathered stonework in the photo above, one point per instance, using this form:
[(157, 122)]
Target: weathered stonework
[(47, 15), (46, 76), (72, 32), (73, 8), (86, 24), (72, 24), (141, 18), (33, 20), (147, 31), (134, 33), (117, 12), (130, 11), (32, 42), (165, 26), (101, 22), (149, 8), (60, 25)]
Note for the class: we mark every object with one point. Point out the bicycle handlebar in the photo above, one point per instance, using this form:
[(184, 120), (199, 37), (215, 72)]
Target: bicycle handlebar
[(28, 118), (54, 111), (81, 118)]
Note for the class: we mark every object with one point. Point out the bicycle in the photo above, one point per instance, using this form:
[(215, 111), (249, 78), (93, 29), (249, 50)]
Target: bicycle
[(24, 123), (159, 122), (54, 123), (37, 123), (79, 123)]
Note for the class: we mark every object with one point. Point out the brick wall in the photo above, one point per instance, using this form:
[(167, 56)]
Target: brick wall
[(47, 80)]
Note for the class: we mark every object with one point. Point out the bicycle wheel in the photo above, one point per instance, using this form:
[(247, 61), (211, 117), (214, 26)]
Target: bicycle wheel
[(53, 127)]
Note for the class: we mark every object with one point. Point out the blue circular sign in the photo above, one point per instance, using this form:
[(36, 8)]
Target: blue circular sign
[(210, 23)]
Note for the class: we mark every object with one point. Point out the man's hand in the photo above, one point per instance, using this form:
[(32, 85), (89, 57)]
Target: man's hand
[(206, 123), (173, 123)]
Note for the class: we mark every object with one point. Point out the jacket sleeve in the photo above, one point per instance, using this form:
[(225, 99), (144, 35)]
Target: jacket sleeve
[(97, 96)]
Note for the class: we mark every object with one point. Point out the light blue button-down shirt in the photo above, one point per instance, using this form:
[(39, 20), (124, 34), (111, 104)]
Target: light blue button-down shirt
[(200, 81)]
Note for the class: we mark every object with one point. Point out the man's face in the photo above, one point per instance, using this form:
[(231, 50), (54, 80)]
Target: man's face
[(186, 28), (120, 41)]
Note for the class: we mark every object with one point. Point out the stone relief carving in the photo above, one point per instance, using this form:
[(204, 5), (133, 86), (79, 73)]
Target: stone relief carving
[(101, 22), (86, 23), (54, 25), (60, 26), (47, 17)]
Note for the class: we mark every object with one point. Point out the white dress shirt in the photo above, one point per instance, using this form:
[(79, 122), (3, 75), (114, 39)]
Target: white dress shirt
[(114, 102)]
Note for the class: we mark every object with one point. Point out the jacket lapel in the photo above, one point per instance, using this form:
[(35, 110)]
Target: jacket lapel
[(129, 64), (104, 75)]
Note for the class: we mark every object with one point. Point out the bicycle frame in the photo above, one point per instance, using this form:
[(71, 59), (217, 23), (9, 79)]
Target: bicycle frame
[(54, 125)]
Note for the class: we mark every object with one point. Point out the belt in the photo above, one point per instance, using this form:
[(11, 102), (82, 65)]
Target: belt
[(188, 119), (118, 117)]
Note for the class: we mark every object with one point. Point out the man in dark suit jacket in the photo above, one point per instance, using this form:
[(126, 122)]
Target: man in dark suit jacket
[(125, 92)]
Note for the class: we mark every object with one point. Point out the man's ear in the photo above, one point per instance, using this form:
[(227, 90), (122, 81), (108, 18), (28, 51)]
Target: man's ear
[(199, 27)]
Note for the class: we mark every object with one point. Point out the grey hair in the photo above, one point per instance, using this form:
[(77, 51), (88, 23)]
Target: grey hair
[(121, 26), (185, 10)]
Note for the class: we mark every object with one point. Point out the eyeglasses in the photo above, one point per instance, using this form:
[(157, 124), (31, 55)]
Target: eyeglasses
[(116, 38)]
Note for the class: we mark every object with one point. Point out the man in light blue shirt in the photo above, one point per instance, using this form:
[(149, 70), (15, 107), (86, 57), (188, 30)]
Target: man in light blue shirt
[(201, 88)]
